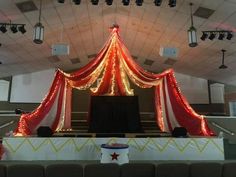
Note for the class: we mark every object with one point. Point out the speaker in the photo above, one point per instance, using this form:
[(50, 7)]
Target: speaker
[(19, 111), (179, 132), (44, 131)]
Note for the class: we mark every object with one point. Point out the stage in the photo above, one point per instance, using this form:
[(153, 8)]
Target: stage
[(67, 148)]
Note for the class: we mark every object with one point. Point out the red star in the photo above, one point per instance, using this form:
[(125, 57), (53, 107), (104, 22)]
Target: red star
[(114, 156)]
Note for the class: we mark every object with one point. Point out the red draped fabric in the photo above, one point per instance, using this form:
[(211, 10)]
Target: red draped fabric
[(114, 68), (47, 112), (173, 109)]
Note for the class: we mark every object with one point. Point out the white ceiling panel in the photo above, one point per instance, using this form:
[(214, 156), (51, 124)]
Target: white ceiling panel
[(144, 29)]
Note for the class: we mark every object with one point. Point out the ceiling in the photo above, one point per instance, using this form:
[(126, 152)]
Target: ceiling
[(144, 29)]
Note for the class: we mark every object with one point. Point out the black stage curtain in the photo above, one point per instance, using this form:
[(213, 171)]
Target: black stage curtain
[(114, 114)]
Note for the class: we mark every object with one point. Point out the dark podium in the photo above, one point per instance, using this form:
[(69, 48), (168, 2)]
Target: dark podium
[(114, 114)]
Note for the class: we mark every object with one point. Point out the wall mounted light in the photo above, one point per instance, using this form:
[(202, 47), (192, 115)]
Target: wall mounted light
[(204, 36), (22, 29), (229, 35), (94, 2), (157, 2), (139, 2), (77, 2), (212, 36), (109, 2), (222, 34), (125, 2), (3, 28), (172, 3), (14, 27)]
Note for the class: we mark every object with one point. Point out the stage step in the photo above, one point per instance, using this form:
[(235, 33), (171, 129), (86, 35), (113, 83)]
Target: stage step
[(80, 125), (151, 131), (127, 135)]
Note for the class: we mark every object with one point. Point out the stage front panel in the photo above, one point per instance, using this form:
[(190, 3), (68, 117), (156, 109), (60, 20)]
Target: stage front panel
[(90, 148)]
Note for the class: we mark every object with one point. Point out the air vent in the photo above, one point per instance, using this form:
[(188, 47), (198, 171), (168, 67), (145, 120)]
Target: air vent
[(170, 61), (92, 55), (203, 12), (26, 6), (134, 57), (148, 62), (53, 59), (75, 60)]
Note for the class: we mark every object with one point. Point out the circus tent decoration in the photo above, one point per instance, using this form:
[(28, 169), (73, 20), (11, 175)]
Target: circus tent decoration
[(114, 67)]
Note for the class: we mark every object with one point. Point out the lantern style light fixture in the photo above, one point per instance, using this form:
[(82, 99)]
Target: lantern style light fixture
[(192, 32), (39, 28)]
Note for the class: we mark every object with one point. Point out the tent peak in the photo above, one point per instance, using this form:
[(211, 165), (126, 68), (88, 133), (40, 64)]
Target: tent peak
[(115, 28)]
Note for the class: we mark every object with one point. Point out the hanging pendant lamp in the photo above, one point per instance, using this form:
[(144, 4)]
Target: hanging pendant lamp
[(39, 28), (192, 32)]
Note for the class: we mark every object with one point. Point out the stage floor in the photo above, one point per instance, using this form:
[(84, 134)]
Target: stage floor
[(67, 148)]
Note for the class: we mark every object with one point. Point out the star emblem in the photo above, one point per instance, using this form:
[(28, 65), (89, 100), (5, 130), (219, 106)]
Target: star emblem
[(114, 156)]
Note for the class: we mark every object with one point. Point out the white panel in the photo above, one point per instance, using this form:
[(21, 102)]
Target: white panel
[(169, 52), (194, 89), (4, 90), (60, 49), (148, 149), (31, 87), (217, 93)]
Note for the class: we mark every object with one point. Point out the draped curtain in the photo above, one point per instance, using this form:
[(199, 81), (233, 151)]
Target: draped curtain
[(114, 67)]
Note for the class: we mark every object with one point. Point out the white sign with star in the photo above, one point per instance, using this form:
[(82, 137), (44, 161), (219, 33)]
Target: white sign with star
[(112, 155)]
